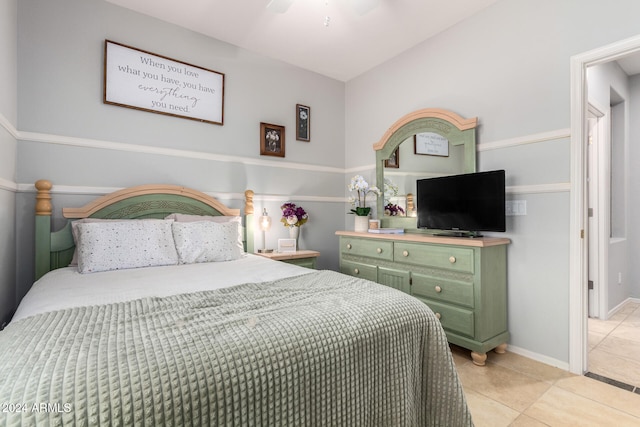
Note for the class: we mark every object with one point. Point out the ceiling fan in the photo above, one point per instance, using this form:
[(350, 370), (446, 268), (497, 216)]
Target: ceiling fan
[(361, 7)]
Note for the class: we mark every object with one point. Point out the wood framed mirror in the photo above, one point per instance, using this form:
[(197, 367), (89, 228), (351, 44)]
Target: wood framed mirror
[(439, 131)]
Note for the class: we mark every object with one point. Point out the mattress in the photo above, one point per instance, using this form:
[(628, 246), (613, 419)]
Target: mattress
[(66, 287), (304, 348)]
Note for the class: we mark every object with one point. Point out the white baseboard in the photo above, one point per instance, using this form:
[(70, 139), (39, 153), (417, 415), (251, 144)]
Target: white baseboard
[(539, 357), (620, 306)]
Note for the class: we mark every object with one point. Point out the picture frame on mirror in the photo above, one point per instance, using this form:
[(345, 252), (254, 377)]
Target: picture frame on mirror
[(394, 160), (431, 144)]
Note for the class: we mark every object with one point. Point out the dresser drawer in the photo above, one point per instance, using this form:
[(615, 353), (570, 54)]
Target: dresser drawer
[(454, 319), (446, 257), (373, 248), (397, 279), (438, 289), (357, 269)]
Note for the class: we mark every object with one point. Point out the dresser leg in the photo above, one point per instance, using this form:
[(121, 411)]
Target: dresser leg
[(501, 349), (478, 358)]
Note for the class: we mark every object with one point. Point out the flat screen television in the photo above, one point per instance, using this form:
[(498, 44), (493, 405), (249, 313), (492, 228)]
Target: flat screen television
[(462, 205)]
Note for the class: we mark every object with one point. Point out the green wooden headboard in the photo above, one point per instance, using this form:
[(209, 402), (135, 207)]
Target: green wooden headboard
[(54, 249)]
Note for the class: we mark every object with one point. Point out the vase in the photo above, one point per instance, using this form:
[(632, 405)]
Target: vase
[(361, 223), (294, 233)]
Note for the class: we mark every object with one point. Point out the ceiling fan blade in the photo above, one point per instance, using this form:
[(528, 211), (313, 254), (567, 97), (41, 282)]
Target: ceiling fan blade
[(362, 7), (279, 6)]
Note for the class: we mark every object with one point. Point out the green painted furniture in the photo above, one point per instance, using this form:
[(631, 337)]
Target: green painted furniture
[(459, 131), (303, 258), (54, 249), (464, 281)]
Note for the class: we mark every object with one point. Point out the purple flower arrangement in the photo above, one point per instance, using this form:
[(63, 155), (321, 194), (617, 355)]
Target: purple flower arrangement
[(393, 210), (292, 215)]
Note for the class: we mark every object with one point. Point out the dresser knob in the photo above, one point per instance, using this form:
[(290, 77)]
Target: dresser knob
[(405, 253), (438, 289), (438, 315), (357, 271), (379, 250), (452, 259), (348, 245)]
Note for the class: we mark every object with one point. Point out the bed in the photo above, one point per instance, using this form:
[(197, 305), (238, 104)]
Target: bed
[(245, 341)]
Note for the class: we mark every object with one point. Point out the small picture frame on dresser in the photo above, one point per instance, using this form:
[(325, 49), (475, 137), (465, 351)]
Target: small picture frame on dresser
[(287, 245)]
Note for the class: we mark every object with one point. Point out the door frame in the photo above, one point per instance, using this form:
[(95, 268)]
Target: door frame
[(599, 188), (578, 221)]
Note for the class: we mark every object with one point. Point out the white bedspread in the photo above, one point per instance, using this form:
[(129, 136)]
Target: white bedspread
[(66, 287)]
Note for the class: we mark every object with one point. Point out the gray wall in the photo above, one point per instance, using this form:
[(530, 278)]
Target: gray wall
[(82, 145), (8, 114), (509, 66)]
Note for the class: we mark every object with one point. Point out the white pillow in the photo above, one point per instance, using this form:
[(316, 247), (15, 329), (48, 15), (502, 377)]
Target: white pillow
[(178, 217), (74, 232), (118, 245), (206, 241)]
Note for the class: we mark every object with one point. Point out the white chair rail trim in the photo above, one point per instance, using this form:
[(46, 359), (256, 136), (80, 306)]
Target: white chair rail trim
[(8, 185), (135, 148), (119, 146), (523, 140), (100, 191)]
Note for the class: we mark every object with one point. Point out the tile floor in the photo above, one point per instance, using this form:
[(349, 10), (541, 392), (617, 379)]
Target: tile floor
[(512, 390), (614, 346)]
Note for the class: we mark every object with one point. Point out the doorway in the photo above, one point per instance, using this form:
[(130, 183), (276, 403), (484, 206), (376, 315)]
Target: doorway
[(579, 305)]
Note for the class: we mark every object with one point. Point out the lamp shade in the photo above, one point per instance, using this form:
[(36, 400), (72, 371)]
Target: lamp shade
[(265, 221)]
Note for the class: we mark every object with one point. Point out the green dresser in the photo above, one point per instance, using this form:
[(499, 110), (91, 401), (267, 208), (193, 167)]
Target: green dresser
[(464, 281)]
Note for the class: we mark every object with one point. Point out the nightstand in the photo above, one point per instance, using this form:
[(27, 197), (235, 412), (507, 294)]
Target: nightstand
[(302, 258)]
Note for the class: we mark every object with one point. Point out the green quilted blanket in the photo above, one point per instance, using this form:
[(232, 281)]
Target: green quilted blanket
[(322, 349)]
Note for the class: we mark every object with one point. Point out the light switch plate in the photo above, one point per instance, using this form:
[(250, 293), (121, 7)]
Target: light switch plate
[(516, 207)]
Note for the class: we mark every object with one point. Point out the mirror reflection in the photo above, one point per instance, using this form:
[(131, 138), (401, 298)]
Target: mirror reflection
[(412, 167), (423, 144)]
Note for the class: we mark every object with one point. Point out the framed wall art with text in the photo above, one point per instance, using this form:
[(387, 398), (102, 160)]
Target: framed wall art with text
[(141, 80)]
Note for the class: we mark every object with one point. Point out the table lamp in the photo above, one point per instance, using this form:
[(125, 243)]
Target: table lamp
[(265, 225)]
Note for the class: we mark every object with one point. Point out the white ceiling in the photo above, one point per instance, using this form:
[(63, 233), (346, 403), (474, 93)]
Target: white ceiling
[(350, 45)]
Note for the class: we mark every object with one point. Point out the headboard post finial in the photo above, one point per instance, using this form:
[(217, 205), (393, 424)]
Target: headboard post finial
[(248, 205), (43, 198)]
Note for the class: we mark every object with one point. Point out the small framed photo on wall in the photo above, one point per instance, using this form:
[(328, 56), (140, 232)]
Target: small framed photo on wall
[(394, 160), (303, 123), (271, 140)]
